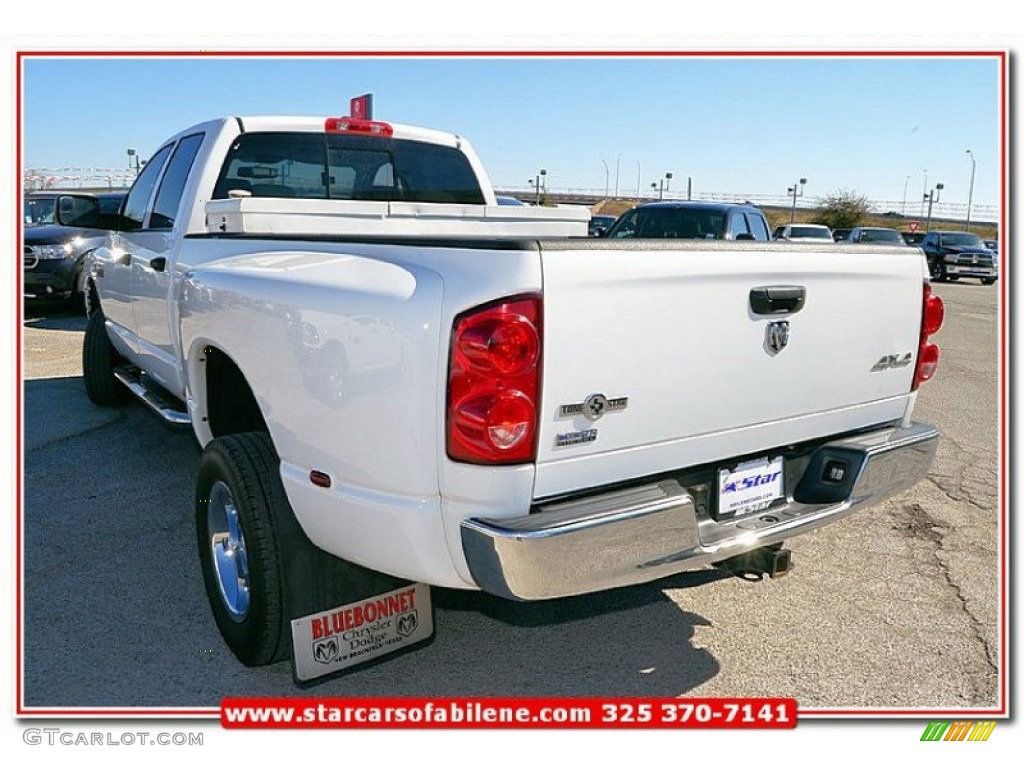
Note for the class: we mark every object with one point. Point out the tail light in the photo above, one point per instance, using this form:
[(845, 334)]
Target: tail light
[(356, 125), (932, 313), (494, 383)]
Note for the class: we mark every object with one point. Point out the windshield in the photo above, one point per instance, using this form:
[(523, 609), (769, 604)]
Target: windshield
[(961, 238), (40, 210), (670, 222), (818, 232), (881, 236)]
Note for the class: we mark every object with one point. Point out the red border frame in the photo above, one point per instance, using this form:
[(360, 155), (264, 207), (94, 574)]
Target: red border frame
[(1001, 55)]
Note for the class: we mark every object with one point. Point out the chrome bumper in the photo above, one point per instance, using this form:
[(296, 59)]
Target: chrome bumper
[(649, 531)]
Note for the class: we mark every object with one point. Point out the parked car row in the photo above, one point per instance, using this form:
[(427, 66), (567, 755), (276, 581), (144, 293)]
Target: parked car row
[(61, 228), (951, 255)]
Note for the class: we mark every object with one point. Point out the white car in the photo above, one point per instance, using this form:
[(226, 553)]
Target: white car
[(805, 233)]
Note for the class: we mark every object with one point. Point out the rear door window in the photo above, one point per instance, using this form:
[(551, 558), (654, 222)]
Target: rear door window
[(168, 198), (136, 206)]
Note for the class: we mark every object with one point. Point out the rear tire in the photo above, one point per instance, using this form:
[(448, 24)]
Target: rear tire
[(987, 280), (99, 359), (238, 494)]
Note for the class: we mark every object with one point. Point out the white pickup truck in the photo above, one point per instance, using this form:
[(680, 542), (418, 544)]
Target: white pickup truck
[(397, 381)]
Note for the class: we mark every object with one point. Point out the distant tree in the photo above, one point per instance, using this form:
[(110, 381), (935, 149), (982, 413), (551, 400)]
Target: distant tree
[(842, 210)]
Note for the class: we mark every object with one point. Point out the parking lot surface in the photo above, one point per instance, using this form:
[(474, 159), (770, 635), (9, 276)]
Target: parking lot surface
[(895, 607)]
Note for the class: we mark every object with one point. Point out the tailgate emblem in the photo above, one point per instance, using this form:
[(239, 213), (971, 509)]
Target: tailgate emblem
[(776, 335), (594, 407)]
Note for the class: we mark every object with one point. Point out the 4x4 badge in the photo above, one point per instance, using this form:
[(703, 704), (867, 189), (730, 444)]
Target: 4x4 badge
[(594, 407)]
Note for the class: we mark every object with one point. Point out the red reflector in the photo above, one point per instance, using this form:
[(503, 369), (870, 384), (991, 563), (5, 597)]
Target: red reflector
[(354, 125), (319, 479)]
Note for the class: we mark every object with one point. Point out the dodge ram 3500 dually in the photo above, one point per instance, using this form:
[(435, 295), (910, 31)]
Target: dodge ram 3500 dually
[(399, 383)]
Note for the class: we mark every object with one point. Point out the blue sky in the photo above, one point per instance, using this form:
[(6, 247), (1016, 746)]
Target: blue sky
[(745, 127)]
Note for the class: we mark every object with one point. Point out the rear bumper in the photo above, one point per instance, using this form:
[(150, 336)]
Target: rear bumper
[(649, 531)]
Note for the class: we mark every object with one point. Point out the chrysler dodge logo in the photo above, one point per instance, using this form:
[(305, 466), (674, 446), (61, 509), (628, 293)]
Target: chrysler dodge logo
[(776, 336), (325, 651)]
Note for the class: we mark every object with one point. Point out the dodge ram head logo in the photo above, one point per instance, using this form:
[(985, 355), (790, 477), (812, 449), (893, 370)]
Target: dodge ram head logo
[(776, 336), (407, 624), (325, 651)]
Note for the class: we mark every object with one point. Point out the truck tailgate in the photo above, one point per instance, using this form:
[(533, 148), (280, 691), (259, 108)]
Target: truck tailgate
[(656, 356)]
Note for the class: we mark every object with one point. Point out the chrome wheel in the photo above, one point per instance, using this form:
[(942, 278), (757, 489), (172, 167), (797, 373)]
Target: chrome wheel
[(227, 547)]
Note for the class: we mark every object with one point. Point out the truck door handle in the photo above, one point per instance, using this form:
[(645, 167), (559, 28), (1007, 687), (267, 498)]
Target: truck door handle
[(777, 299), (124, 259), (159, 264)]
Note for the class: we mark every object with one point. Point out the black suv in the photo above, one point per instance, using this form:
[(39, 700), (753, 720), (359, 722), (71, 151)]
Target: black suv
[(60, 228), (692, 221), (952, 255)]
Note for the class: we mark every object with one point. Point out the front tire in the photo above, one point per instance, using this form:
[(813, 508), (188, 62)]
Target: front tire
[(238, 494), (938, 270), (99, 359), (987, 280)]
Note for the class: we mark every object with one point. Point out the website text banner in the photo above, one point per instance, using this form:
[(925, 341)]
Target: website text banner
[(511, 713)]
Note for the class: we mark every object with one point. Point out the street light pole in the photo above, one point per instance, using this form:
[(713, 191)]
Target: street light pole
[(133, 160), (970, 195), (793, 191), (539, 180), (617, 159), (668, 180), (903, 210), (605, 177), (924, 190), (933, 197), (637, 179)]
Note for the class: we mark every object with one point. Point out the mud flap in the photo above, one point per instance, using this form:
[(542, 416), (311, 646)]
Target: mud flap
[(342, 615), (331, 641)]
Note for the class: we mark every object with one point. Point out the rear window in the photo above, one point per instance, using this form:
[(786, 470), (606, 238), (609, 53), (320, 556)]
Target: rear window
[(670, 223), (880, 236), (335, 166), (810, 232)]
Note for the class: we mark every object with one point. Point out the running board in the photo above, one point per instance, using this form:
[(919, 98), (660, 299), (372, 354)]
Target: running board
[(169, 409)]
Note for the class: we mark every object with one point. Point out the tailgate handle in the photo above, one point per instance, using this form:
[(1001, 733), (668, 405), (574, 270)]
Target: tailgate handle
[(777, 299)]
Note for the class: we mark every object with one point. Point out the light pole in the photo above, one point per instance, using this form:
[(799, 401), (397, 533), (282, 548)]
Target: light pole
[(637, 179), (605, 177), (924, 190), (970, 195), (933, 197), (133, 160), (537, 183), (793, 191), (617, 159), (903, 210), (689, 187), (668, 180)]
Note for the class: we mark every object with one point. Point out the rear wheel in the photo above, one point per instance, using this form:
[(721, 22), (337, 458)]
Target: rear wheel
[(987, 280), (99, 359), (237, 495)]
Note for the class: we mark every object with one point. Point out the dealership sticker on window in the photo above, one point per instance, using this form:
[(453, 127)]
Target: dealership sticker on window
[(338, 638)]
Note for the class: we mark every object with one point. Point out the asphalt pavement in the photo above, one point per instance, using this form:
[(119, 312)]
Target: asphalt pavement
[(894, 607)]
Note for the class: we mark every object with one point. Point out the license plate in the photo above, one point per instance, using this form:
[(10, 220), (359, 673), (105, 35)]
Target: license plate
[(750, 487), (332, 640)]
